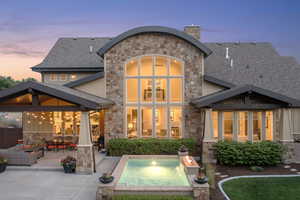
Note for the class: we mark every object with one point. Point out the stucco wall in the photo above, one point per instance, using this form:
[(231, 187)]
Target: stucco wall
[(143, 44), (209, 88), (96, 87)]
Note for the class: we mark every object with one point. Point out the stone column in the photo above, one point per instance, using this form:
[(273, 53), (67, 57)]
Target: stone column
[(85, 164), (286, 137), (208, 141)]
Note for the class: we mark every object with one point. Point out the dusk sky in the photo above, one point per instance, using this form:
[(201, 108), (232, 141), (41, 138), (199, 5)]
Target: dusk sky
[(29, 28)]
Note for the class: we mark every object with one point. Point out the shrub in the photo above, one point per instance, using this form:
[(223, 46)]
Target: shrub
[(264, 153), (153, 146), (148, 197)]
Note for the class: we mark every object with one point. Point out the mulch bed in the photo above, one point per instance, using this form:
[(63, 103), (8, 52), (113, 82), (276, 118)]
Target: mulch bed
[(244, 171)]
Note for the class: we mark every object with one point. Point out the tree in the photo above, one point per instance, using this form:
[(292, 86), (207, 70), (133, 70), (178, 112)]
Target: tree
[(7, 81)]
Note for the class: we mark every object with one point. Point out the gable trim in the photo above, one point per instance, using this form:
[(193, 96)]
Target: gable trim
[(209, 100), (154, 29)]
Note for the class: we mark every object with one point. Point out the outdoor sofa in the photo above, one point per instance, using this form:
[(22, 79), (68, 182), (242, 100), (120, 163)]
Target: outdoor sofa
[(17, 155)]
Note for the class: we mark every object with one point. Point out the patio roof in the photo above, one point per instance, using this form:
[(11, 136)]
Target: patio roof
[(34, 96), (213, 99)]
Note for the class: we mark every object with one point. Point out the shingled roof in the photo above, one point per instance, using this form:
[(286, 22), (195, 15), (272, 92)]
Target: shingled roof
[(256, 64), (73, 54)]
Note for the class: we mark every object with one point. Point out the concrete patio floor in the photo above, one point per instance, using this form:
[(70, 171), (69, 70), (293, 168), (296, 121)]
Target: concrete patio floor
[(52, 185), (51, 161)]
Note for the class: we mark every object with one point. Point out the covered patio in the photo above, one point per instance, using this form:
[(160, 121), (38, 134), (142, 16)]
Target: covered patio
[(58, 114)]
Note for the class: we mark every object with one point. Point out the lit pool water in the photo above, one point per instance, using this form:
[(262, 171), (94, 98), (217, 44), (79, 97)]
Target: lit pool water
[(153, 172)]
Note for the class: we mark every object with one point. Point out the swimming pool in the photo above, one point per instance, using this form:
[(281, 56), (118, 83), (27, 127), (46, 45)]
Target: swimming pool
[(153, 172)]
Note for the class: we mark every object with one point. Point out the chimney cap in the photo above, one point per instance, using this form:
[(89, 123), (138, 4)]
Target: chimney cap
[(193, 30)]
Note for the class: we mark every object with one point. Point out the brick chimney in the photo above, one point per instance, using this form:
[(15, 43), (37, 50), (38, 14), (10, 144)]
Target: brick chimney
[(193, 30)]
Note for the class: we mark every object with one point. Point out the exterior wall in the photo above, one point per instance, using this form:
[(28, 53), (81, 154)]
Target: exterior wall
[(161, 44), (296, 124), (96, 87), (209, 88), (46, 77)]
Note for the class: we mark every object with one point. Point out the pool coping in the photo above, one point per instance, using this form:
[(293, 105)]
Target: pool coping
[(220, 183), (120, 168), (108, 190)]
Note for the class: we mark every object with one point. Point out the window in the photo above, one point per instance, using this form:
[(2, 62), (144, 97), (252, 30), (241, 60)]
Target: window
[(63, 77), (132, 122), (53, 77), (257, 126), (215, 123), (154, 97), (228, 125), (269, 125), (243, 126)]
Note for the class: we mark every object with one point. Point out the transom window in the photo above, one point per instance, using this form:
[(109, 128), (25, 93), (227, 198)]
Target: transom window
[(154, 97)]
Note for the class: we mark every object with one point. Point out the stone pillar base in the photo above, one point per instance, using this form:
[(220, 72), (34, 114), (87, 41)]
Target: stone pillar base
[(289, 155), (85, 163), (208, 152)]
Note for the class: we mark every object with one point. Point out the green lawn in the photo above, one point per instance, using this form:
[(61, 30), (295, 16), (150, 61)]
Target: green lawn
[(287, 188)]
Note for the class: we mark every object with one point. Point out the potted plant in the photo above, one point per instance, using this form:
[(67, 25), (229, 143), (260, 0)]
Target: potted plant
[(106, 178), (69, 164), (183, 151), (201, 178), (3, 164)]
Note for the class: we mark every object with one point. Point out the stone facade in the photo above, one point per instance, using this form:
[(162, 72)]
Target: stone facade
[(208, 154), (149, 44), (84, 162)]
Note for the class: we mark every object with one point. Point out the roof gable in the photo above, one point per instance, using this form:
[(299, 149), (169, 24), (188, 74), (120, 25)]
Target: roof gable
[(217, 97), (154, 29), (61, 92)]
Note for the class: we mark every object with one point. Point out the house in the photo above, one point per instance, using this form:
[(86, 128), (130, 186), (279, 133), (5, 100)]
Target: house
[(160, 82)]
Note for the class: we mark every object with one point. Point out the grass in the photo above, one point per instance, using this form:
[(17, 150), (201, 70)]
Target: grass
[(152, 197), (263, 188)]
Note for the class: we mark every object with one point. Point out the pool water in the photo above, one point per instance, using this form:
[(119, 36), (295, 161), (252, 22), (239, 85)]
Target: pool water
[(153, 172)]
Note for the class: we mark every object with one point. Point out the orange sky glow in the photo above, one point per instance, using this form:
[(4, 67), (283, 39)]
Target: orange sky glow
[(18, 67)]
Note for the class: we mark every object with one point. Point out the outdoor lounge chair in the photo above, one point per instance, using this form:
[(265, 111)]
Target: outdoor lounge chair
[(17, 156)]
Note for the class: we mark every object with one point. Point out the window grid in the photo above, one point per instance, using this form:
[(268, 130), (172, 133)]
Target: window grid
[(250, 125), (154, 104)]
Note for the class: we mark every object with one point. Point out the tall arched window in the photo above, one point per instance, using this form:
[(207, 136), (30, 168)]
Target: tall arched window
[(154, 97)]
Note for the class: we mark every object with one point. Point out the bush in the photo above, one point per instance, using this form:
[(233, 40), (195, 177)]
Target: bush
[(153, 146), (264, 153), (152, 197)]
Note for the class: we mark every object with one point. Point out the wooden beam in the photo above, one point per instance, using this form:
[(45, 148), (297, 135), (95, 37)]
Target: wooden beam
[(245, 106), (35, 100)]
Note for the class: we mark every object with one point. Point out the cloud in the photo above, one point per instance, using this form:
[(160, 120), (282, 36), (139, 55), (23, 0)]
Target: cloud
[(13, 49)]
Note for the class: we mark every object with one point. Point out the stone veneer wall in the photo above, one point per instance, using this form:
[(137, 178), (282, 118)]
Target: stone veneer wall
[(34, 132), (152, 43)]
